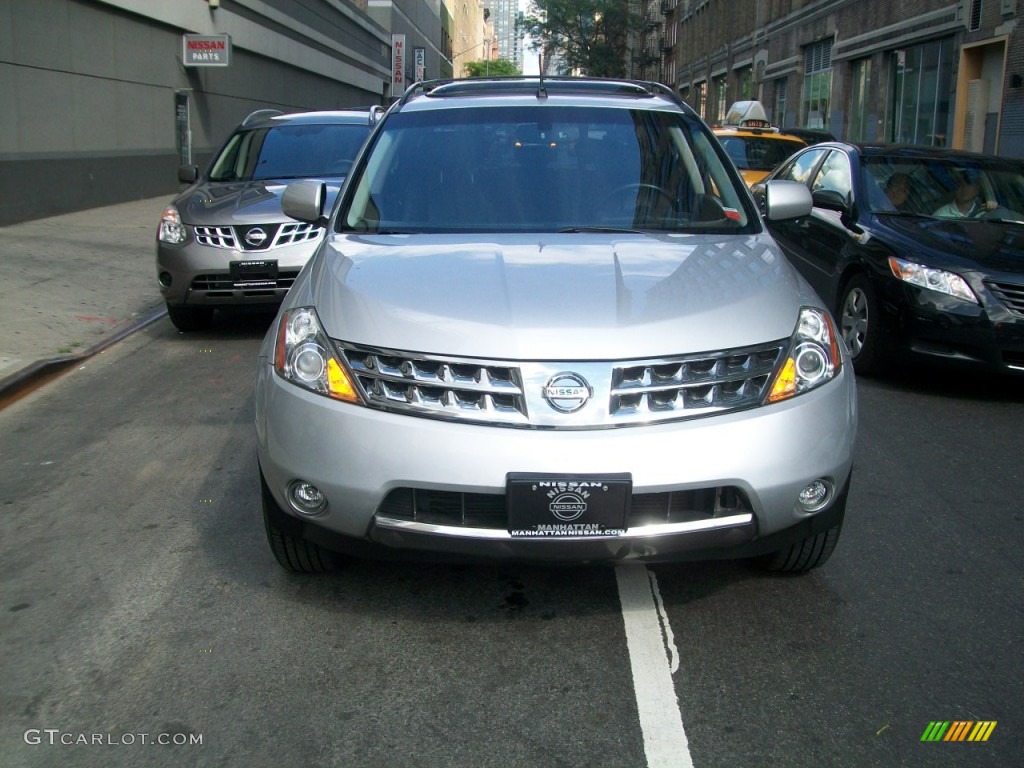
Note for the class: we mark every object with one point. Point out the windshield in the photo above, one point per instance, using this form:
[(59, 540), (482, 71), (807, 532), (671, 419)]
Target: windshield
[(543, 168), (758, 154), (289, 152), (945, 188)]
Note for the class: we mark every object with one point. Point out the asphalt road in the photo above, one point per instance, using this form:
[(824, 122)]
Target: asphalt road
[(139, 597)]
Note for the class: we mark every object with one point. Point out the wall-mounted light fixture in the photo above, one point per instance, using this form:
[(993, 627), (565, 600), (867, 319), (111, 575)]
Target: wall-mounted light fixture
[(214, 3)]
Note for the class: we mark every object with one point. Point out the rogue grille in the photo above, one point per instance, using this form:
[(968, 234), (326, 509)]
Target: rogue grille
[(1011, 296), (483, 510), (223, 282), (286, 234), (217, 237)]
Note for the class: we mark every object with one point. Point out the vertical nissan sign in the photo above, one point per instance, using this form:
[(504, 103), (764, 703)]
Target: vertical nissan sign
[(397, 65)]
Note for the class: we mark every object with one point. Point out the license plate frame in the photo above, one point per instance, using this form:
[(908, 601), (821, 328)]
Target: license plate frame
[(549, 505), (254, 273)]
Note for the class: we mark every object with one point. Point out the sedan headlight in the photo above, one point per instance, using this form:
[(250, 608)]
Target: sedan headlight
[(306, 357), (171, 228), (932, 279), (814, 356)]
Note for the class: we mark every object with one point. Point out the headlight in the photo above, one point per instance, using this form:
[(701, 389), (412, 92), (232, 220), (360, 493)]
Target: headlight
[(814, 356), (306, 357), (171, 228), (932, 279)]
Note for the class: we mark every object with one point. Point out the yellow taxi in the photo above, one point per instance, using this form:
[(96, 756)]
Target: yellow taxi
[(753, 143)]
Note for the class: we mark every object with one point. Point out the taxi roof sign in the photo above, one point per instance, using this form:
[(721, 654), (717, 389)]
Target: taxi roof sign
[(747, 114)]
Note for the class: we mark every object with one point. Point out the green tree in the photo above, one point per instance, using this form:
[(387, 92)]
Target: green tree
[(495, 68), (592, 35)]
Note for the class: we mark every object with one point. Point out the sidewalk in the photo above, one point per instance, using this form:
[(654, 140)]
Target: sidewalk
[(73, 284)]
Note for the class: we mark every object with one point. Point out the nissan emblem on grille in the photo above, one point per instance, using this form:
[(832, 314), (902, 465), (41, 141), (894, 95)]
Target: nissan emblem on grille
[(256, 237), (567, 392)]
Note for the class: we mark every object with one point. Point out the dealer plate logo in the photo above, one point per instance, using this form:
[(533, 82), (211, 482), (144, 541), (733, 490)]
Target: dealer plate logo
[(567, 392)]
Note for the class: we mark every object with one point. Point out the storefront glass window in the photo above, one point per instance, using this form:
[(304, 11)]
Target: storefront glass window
[(860, 101), (920, 86)]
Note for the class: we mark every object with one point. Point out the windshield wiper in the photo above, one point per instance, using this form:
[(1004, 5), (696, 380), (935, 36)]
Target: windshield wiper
[(618, 230)]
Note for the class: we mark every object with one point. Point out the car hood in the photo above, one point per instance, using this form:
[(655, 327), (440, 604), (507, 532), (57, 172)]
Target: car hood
[(553, 297), (980, 245), (241, 202)]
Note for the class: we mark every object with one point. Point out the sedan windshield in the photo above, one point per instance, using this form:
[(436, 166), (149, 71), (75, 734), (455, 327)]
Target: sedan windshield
[(945, 188), (544, 168), (289, 152)]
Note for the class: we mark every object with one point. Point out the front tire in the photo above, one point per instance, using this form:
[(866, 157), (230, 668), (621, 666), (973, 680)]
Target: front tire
[(291, 551), (860, 325), (189, 319), (812, 552)]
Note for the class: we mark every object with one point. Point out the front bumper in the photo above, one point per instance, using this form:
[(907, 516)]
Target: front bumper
[(200, 275), (357, 456), (939, 328)]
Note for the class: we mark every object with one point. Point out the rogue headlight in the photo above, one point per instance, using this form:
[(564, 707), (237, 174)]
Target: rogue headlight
[(171, 229), (306, 357), (933, 279), (814, 356)]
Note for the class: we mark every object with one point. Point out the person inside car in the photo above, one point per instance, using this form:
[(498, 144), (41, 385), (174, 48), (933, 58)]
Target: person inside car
[(897, 188), (966, 202)]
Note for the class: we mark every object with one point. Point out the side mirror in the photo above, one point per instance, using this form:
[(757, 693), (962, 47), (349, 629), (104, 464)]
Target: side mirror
[(304, 200), (786, 200), (187, 174), (830, 200)]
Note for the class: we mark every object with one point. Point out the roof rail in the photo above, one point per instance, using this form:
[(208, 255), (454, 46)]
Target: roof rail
[(535, 83), (260, 114)]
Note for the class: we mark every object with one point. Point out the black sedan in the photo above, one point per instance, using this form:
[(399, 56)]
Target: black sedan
[(918, 251)]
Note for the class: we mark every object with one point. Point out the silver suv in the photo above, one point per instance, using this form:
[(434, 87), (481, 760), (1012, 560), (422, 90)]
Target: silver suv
[(547, 323), (224, 241)]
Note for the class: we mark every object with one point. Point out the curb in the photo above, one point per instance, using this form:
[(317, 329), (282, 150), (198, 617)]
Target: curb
[(21, 382)]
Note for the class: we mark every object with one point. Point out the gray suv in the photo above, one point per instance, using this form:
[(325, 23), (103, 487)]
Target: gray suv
[(224, 241), (547, 323)]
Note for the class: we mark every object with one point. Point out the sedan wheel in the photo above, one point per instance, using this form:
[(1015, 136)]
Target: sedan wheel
[(860, 324)]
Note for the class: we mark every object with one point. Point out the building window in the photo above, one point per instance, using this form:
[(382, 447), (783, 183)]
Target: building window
[(780, 101), (974, 22), (817, 84), (745, 80), (860, 101), (721, 92), (921, 78), (700, 99)]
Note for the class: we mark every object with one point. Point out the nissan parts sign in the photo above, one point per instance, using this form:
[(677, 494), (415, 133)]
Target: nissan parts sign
[(397, 65), (206, 50)]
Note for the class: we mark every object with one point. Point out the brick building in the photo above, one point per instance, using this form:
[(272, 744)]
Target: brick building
[(916, 71)]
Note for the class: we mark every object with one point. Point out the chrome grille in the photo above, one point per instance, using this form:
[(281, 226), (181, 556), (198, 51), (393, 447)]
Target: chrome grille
[(691, 385), (1010, 295), (441, 387), (298, 232), (217, 237), (287, 234), (514, 393)]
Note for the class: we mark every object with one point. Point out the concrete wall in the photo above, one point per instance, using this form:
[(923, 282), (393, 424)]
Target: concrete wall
[(88, 88)]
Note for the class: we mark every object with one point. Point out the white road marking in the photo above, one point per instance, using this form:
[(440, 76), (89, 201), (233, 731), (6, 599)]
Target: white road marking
[(653, 658)]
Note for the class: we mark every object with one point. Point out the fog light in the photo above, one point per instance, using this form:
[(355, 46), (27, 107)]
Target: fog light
[(815, 496), (306, 498), (166, 279)]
